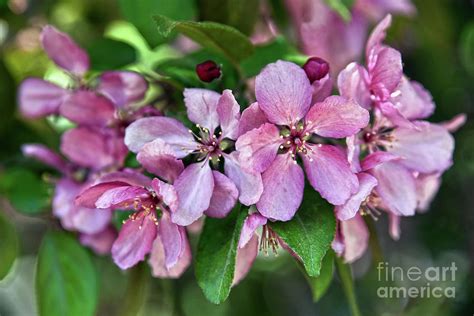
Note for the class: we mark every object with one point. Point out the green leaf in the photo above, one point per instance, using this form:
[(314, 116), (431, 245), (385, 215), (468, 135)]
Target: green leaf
[(342, 7), (108, 54), (279, 48), (310, 233), (66, 282), (467, 48), (8, 245), (216, 254), (25, 190), (141, 13), (137, 290), (241, 14), (345, 274), (321, 284), (220, 38)]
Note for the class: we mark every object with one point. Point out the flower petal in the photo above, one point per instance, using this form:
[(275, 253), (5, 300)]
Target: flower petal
[(229, 114), (377, 158), (45, 155), (224, 196), (283, 92), (455, 123), (394, 226), (128, 176), (394, 115), (158, 158), (39, 98), (248, 183), (427, 185), (352, 85), (258, 147), (89, 196), (134, 241), (167, 193), (251, 224), (201, 105), (120, 197), (88, 108), (171, 131), (352, 205), (386, 71), (90, 148), (378, 34), (427, 149), (252, 117), (122, 87), (336, 117), (157, 259), (414, 101), (356, 238), (194, 187), (283, 184), (245, 258), (396, 187), (329, 173), (64, 51), (171, 239)]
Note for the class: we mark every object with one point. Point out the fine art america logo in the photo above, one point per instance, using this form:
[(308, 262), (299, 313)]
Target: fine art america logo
[(416, 282)]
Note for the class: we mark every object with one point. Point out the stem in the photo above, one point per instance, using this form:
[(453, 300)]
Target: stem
[(137, 290), (348, 286)]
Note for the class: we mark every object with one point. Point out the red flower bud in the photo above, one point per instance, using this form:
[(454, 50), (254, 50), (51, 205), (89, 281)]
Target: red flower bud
[(208, 71), (316, 68)]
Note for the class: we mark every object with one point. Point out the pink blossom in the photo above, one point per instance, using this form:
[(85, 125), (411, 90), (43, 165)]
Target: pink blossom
[(86, 103), (145, 231), (283, 124), (162, 143)]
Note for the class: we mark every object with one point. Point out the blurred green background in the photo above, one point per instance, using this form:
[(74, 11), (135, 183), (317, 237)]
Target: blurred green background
[(438, 50)]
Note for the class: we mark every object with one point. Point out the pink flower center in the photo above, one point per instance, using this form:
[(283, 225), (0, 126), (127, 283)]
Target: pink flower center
[(377, 139), (296, 140), (209, 145)]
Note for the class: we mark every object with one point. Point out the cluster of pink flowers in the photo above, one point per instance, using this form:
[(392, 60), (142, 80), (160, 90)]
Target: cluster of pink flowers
[(365, 151)]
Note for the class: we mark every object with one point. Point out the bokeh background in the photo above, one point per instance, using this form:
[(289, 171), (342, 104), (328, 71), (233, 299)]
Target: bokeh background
[(438, 50)]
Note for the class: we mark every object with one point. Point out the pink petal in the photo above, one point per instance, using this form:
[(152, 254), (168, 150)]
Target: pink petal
[(245, 258), (122, 87), (251, 224), (224, 196), (394, 115), (88, 221), (427, 149), (321, 89), (167, 193), (90, 148), (283, 184), (45, 155), (414, 102), (252, 117), (171, 240), (378, 35), (336, 117), (258, 147), (283, 92), (353, 153), (330, 174), (64, 195), (89, 196), (427, 185), (39, 98), (248, 183), (194, 186), (157, 259), (171, 131), (88, 108), (356, 238), (352, 85), (201, 105), (134, 241), (377, 158), (158, 158), (120, 197), (229, 115), (386, 72), (101, 242), (128, 176), (64, 51), (396, 187), (352, 205)]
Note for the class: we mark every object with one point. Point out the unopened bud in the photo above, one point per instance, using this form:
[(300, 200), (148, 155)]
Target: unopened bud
[(316, 68), (208, 71)]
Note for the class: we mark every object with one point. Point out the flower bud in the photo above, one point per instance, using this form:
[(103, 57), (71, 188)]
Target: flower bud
[(316, 68), (208, 71)]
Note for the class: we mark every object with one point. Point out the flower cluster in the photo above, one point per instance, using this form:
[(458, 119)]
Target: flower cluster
[(365, 151)]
